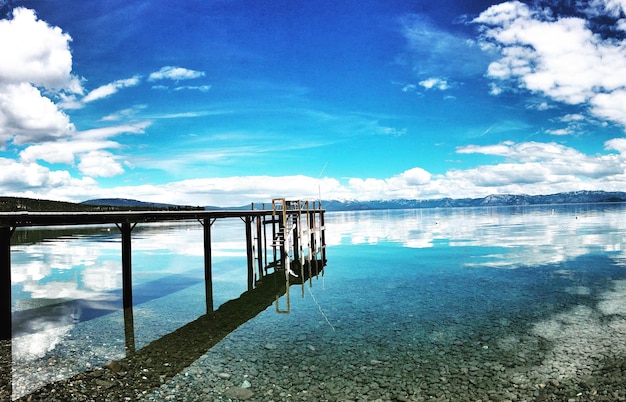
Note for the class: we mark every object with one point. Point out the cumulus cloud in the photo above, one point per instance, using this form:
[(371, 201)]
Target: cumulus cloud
[(29, 179), (175, 73), (27, 116), (559, 57), (110, 89), (34, 57), (100, 164), (32, 51)]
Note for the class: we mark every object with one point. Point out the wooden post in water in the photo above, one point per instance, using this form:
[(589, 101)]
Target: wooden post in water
[(6, 371), (323, 229), (249, 252), (296, 236), (208, 267), (259, 246), (129, 331), (6, 326), (127, 281)]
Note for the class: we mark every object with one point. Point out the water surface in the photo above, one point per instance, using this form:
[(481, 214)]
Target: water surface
[(456, 304)]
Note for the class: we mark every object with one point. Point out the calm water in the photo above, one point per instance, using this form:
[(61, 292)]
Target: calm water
[(459, 304)]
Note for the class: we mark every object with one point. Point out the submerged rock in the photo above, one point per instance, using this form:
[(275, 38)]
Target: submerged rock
[(239, 393)]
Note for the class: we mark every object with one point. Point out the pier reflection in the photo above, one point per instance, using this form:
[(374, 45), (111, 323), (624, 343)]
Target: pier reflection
[(145, 369)]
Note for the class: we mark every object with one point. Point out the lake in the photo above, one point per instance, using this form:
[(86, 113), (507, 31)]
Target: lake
[(507, 303)]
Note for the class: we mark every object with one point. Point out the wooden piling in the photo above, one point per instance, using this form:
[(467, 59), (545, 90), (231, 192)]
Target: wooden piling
[(249, 252), (208, 265), (129, 331), (6, 327), (127, 277), (259, 247)]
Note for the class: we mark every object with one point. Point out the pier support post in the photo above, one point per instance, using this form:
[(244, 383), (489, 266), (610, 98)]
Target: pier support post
[(127, 281), (208, 267), (296, 237), (129, 331), (6, 371), (6, 327), (259, 246), (249, 252), (323, 245)]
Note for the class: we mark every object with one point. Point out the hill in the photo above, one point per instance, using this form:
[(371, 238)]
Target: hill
[(123, 203), (19, 204)]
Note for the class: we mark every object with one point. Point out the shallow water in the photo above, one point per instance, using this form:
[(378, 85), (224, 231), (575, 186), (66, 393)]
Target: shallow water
[(456, 304)]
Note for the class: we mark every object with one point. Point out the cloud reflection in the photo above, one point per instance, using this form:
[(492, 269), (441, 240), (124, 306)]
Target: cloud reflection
[(510, 236)]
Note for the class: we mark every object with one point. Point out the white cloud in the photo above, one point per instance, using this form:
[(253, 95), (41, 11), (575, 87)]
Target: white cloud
[(100, 164), (35, 59), (110, 89), (415, 177), (559, 160), (559, 131), (613, 8), (111, 131), (432, 51), (31, 180), (561, 58), (409, 88), (28, 117), (574, 117), (88, 146), (435, 83), (175, 73), (34, 52), (525, 168), (201, 88)]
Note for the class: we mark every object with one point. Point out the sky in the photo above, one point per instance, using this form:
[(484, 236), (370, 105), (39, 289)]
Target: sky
[(227, 102)]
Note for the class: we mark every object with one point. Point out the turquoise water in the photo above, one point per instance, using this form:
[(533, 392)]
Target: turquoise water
[(455, 304)]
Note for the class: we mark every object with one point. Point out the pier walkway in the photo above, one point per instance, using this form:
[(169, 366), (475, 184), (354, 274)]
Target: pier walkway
[(296, 228)]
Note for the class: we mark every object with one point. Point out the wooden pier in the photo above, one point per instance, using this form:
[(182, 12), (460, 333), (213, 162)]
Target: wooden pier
[(297, 243)]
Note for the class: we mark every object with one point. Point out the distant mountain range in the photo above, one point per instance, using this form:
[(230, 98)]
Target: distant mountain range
[(576, 197), (8, 204)]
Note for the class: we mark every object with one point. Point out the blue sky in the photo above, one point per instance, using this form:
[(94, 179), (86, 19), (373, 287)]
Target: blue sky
[(228, 102)]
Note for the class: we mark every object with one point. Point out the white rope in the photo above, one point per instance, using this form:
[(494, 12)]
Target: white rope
[(320, 309)]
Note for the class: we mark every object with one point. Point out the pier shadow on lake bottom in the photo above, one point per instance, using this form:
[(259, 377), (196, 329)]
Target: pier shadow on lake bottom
[(148, 368)]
